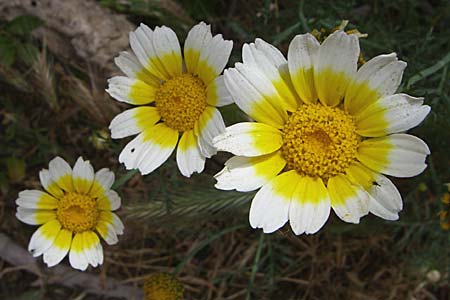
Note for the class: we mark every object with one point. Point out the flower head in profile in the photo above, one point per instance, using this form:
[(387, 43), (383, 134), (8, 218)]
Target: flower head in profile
[(324, 133), (162, 286), (73, 212), (176, 95)]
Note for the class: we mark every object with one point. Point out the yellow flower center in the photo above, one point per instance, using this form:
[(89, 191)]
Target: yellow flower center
[(162, 286), (77, 212), (319, 141), (180, 101)]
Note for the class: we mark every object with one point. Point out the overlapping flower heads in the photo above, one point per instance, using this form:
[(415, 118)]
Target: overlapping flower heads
[(184, 92), (76, 207), (324, 134)]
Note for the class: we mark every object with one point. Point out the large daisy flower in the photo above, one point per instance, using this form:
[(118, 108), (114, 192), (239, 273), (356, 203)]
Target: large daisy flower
[(72, 213), (176, 97), (324, 134)]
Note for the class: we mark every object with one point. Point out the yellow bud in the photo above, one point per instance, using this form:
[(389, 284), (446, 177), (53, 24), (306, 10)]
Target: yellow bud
[(161, 286)]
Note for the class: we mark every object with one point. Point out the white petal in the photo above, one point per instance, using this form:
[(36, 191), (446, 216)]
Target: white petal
[(350, 202), (130, 65), (105, 178), (133, 121), (100, 256), (301, 57), (189, 157), (141, 41), (43, 238), (110, 201), (310, 206), (400, 155), (209, 125), (217, 93), (149, 149), (77, 258), (45, 178), (117, 224), (271, 52), (270, 207), (392, 114), (335, 66), (271, 83), (56, 253), (260, 82), (36, 199), (246, 174), (377, 78), (107, 232), (82, 175), (197, 40), (61, 173), (35, 216), (49, 184), (384, 199), (249, 139), (302, 52), (90, 244), (214, 57), (253, 103), (130, 90), (167, 48), (112, 218)]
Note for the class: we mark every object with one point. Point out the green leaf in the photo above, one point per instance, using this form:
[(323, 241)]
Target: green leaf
[(122, 180), (23, 25), (28, 53), (8, 51), (16, 168), (286, 33), (429, 71), (255, 266)]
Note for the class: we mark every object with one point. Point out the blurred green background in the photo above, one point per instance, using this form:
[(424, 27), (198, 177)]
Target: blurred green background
[(53, 103)]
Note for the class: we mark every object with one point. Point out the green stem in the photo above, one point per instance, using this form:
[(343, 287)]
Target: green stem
[(122, 180), (255, 266)]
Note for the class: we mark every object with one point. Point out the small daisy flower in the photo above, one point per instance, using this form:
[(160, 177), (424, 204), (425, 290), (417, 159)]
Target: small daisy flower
[(162, 286), (176, 97), (325, 133), (73, 212)]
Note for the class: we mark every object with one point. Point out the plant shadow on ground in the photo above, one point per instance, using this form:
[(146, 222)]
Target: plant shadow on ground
[(174, 224)]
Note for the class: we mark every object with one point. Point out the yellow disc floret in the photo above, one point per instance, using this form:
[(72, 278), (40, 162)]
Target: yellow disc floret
[(161, 286), (319, 141), (180, 101), (77, 212)]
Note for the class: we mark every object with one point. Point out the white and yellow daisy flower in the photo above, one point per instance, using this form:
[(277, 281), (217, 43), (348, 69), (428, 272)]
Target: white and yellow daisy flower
[(175, 96), (75, 209), (324, 134)]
